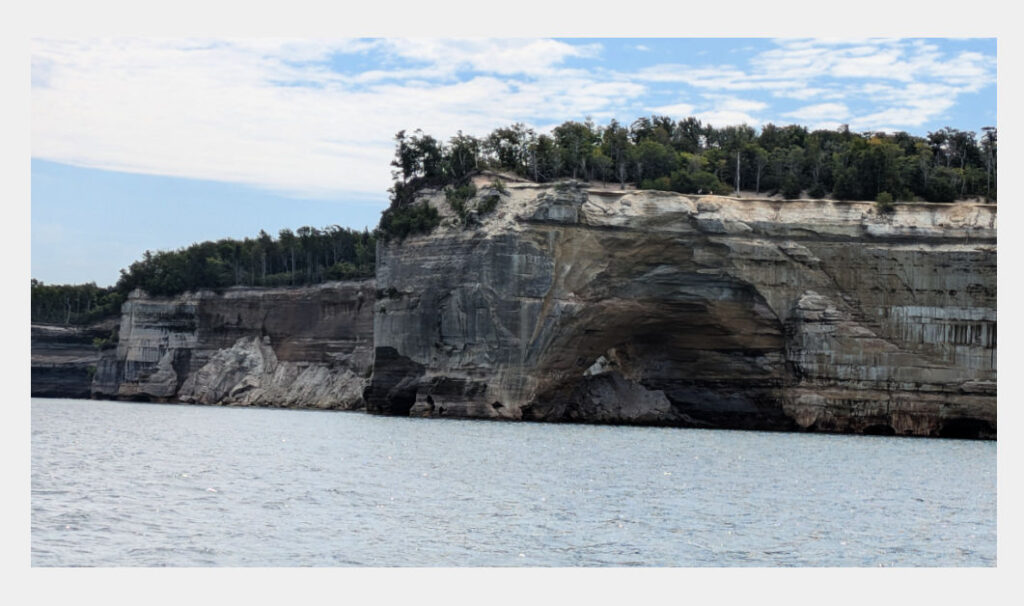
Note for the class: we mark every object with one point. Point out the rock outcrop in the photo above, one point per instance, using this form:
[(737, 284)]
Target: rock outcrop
[(586, 305), (65, 358), (569, 304), (307, 347)]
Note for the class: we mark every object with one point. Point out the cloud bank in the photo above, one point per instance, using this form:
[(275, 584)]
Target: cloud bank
[(315, 117)]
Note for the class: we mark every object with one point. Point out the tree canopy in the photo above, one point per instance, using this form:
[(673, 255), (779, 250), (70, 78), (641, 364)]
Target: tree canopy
[(306, 256), (687, 156), (653, 152)]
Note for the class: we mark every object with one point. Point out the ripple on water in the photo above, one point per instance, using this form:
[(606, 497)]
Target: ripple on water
[(121, 484)]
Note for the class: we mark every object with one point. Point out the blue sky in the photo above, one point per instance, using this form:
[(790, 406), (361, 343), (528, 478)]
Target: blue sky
[(155, 143)]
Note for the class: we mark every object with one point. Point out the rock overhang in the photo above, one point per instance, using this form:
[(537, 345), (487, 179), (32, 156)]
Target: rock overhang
[(702, 295)]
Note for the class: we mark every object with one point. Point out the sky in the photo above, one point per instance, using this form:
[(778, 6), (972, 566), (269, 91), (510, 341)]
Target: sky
[(147, 143)]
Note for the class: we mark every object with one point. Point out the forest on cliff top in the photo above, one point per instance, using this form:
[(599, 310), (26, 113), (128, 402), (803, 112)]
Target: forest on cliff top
[(654, 152), (687, 156), (306, 256)]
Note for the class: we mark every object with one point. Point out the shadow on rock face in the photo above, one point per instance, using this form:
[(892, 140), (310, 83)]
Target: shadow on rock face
[(967, 428), (392, 390)]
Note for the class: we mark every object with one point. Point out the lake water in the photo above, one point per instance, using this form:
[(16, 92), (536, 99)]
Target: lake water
[(133, 484)]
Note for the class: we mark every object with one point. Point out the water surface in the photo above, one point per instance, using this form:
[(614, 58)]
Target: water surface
[(134, 484)]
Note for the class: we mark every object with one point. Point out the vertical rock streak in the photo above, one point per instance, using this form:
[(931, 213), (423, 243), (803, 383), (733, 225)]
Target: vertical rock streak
[(648, 307), (567, 304), (302, 347)]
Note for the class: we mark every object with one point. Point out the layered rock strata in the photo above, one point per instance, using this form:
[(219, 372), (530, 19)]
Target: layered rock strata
[(305, 347), (571, 304), (65, 358)]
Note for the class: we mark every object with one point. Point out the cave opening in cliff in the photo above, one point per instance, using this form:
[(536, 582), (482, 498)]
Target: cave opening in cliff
[(679, 359)]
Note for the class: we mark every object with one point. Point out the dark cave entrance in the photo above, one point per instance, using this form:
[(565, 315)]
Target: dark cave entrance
[(967, 428), (704, 353)]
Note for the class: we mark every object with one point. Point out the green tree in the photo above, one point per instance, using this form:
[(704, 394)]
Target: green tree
[(616, 145), (461, 156), (545, 159), (757, 157), (988, 146), (509, 147), (575, 141), (652, 160), (688, 135), (734, 140)]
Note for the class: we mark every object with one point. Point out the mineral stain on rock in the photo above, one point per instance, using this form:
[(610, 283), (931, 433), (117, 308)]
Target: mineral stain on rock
[(586, 305), (655, 308), (308, 347)]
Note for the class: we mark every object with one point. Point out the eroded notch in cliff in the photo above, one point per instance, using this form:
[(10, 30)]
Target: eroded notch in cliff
[(393, 387), (696, 350)]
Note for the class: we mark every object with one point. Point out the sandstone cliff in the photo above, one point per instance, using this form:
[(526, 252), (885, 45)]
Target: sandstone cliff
[(575, 304), (569, 304), (296, 347), (64, 358)]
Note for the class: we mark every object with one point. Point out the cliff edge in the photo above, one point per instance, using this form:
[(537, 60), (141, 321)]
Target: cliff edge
[(572, 304), (304, 347), (64, 358)]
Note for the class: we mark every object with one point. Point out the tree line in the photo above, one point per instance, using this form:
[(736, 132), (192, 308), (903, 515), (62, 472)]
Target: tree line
[(73, 303), (306, 256), (687, 156), (654, 152)]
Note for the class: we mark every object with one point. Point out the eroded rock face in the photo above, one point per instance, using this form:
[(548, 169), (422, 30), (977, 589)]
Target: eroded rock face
[(298, 347), (64, 359), (649, 307)]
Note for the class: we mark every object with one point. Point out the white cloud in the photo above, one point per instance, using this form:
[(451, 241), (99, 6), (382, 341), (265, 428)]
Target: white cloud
[(677, 109), (906, 106), (725, 103), (720, 118), (972, 70), (877, 59), (725, 77), (803, 94), (825, 125), (270, 113), (907, 83), (914, 114), (725, 110), (821, 111), (273, 113), (514, 56), (804, 43)]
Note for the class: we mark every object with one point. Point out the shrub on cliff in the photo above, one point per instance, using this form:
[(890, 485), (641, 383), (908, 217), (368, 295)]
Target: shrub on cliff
[(488, 204), (342, 270), (106, 343), (686, 182), (905, 195), (790, 188), (884, 202), (399, 222), (457, 198), (660, 184)]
